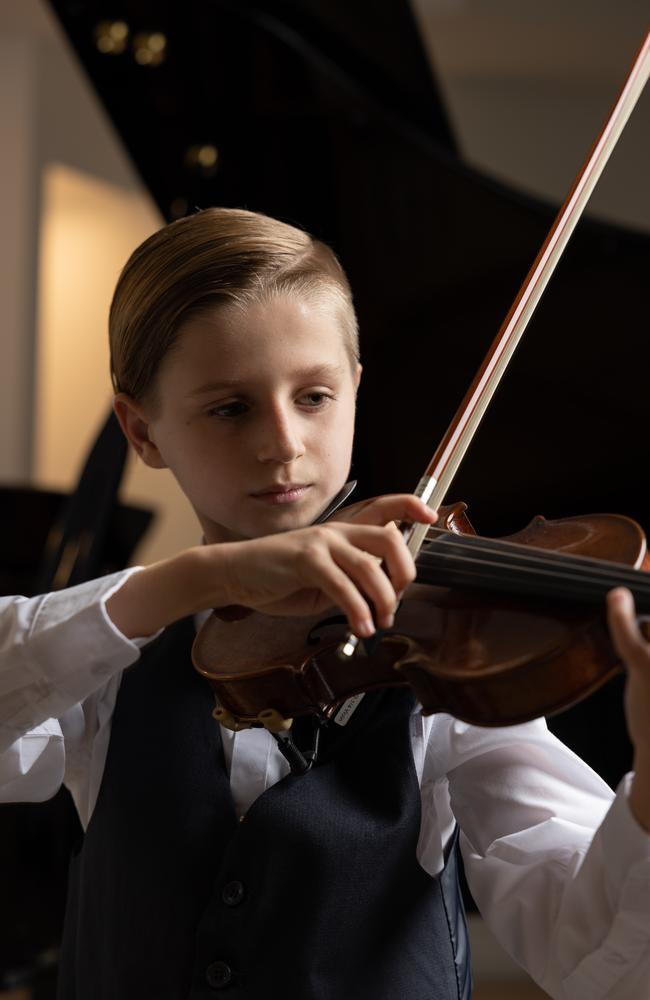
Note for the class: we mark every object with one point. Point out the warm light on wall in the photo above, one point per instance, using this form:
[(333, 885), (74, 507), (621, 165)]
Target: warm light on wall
[(88, 229)]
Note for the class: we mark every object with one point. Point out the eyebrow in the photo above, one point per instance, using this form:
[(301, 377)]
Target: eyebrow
[(305, 374)]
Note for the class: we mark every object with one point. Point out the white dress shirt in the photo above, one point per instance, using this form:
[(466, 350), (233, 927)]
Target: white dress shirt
[(556, 863)]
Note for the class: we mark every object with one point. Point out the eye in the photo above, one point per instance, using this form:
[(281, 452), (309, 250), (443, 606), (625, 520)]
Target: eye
[(315, 399), (228, 410)]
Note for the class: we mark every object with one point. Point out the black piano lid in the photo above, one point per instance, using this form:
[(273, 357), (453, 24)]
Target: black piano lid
[(327, 114), (260, 81)]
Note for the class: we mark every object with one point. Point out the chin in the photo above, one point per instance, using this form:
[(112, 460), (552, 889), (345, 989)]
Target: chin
[(284, 520), (278, 520), (271, 521)]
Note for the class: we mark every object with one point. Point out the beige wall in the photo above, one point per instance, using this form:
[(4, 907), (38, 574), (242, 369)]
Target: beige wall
[(527, 87), (88, 229), (73, 208), (19, 213)]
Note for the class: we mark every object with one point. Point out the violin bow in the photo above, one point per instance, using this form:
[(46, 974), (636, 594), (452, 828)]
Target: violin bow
[(442, 468)]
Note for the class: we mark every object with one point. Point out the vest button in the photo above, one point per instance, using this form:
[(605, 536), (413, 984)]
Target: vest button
[(233, 893), (218, 975)]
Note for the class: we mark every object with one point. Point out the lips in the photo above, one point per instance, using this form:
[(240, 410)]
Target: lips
[(279, 493)]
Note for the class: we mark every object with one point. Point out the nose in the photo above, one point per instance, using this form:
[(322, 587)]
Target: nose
[(280, 439)]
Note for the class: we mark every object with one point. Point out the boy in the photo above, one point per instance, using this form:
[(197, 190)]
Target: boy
[(234, 359)]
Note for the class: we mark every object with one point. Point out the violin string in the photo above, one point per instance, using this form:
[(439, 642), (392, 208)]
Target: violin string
[(525, 571), (530, 553), (512, 553), (454, 571)]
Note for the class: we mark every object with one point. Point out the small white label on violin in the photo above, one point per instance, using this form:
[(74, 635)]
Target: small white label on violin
[(347, 709)]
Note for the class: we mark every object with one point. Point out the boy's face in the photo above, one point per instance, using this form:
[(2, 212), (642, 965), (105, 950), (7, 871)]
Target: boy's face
[(254, 416)]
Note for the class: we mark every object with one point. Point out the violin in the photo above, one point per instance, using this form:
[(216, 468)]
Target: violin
[(493, 631)]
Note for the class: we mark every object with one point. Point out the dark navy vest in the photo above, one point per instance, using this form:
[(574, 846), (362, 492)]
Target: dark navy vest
[(316, 895)]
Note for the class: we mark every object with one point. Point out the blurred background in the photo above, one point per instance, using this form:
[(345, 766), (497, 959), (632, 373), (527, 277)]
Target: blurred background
[(430, 143)]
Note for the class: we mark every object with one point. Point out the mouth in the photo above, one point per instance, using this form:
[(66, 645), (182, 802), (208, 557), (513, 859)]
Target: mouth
[(284, 493)]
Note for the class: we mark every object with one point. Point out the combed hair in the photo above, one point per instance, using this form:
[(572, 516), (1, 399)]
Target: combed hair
[(216, 256)]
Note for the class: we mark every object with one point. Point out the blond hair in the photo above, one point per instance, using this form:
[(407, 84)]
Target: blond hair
[(217, 256)]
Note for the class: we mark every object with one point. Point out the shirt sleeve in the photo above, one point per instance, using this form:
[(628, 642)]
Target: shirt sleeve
[(557, 864), (56, 650)]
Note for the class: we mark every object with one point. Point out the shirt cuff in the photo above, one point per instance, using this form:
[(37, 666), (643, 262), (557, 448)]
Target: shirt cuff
[(620, 966), (139, 641), (626, 845), (64, 648)]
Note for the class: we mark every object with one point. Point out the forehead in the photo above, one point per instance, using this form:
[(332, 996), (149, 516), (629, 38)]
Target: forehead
[(283, 336)]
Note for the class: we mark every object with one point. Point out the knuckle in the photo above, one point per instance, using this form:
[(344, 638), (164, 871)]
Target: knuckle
[(367, 564), (313, 553), (320, 537), (320, 534)]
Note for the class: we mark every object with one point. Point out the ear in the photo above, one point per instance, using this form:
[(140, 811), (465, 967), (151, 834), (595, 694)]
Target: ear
[(137, 429), (357, 375)]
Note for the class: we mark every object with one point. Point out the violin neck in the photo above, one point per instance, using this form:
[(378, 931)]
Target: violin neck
[(479, 564)]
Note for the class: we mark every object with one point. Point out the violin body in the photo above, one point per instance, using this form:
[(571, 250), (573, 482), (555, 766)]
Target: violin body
[(490, 660)]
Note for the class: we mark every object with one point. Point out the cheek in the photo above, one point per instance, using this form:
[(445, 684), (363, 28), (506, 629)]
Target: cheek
[(338, 442), (347, 422), (188, 451)]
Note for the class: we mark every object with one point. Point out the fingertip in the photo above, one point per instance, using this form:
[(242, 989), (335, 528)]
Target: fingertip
[(432, 515), (620, 597), (366, 628)]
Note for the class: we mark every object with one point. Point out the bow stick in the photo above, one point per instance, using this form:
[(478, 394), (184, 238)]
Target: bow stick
[(435, 482)]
